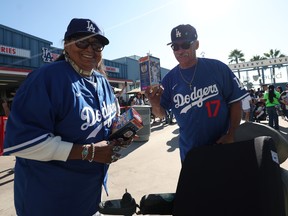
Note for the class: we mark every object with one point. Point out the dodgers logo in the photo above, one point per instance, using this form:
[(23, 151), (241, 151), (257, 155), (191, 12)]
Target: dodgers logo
[(90, 26), (46, 55), (196, 98), (178, 33)]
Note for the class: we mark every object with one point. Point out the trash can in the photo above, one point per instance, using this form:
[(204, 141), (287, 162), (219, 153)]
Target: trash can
[(144, 111)]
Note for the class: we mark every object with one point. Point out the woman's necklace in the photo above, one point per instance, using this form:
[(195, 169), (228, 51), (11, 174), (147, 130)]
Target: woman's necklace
[(76, 68), (189, 83)]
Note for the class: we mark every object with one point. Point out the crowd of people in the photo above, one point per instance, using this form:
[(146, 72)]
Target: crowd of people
[(268, 103)]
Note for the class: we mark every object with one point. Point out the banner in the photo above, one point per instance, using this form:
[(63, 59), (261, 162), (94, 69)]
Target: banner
[(259, 63)]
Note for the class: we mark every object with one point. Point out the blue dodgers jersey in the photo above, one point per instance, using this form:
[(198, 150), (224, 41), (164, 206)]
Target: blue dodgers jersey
[(56, 101), (202, 111)]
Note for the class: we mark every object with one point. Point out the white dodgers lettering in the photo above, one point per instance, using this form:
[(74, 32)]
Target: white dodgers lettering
[(90, 116), (196, 98)]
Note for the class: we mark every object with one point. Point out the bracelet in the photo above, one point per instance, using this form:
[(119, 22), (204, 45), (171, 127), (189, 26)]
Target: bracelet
[(85, 152), (93, 152)]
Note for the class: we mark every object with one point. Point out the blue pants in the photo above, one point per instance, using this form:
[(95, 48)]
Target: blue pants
[(273, 117)]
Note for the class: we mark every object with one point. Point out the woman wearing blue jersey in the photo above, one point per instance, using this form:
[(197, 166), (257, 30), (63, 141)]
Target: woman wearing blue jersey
[(204, 94), (58, 129)]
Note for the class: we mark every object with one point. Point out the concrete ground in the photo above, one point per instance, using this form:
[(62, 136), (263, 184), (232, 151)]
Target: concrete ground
[(146, 167)]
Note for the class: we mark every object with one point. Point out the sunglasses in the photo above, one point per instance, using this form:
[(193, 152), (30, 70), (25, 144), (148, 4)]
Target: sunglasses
[(185, 46), (84, 44)]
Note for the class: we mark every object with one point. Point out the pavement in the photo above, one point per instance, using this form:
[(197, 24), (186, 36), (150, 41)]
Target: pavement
[(146, 167)]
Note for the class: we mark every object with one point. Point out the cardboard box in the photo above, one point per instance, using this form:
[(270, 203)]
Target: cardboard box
[(126, 125)]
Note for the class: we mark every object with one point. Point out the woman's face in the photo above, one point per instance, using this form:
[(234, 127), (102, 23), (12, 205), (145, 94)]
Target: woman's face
[(81, 52)]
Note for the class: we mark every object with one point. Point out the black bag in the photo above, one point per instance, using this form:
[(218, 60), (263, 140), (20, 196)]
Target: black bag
[(157, 204), (238, 179)]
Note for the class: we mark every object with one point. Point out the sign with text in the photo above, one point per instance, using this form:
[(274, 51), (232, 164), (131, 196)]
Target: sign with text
[(12, 51), (259, 63)]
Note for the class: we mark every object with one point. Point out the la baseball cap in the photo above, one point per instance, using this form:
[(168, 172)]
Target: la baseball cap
[(183, 33), (85, 26)]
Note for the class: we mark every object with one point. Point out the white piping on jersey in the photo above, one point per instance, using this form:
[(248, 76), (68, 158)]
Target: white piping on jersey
[(28, 142), (53, 148), (238, 99)]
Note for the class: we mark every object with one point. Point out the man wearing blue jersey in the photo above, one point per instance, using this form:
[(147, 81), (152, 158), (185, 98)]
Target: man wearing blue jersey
[(204, 94), (58, 129)]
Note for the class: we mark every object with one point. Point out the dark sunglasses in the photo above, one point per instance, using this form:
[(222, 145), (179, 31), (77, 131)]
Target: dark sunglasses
[(185, 45), (84, 44)]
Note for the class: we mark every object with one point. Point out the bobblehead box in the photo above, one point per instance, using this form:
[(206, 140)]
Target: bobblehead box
[(126, 125)]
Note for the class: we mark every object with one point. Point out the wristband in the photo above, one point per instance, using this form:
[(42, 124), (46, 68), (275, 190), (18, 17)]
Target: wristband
[(85, 152), (93, 152)]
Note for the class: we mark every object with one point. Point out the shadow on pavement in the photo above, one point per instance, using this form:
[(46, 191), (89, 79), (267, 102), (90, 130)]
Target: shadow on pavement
[(6, 174), (173, 143)]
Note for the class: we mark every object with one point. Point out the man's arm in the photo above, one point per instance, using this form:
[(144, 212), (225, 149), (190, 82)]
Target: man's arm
[(153, 93), (235, 119)]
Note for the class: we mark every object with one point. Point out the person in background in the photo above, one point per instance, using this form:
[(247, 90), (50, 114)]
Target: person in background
[(253, 103), (264, 88), (5, 107), (271, 99), (117, 96), (59, 129), (203, 94), (138, 100), (246, 107), (284, 101), (279, 89)]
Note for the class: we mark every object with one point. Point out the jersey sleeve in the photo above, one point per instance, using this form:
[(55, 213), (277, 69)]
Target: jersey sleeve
[(32, 116), (233, 89)]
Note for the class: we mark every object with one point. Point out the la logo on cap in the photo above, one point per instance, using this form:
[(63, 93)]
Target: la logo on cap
[(90, 26), (178, 33)]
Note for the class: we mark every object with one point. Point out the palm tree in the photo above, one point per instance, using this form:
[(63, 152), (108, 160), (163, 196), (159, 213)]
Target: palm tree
[(257, 58), (236, 56), (274, 54)]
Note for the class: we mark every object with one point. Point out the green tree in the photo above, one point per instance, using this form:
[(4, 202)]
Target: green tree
[(236, 56), (274, 54)]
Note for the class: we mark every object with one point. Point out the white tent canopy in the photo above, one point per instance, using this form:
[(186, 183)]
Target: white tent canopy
[(135, 91)]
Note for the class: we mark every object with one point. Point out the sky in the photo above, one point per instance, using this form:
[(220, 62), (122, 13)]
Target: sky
[(136, 27)]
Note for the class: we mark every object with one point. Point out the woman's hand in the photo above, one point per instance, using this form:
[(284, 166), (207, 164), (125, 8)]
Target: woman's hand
[(108, 151)]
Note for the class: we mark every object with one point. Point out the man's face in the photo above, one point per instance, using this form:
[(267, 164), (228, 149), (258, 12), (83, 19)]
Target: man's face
[(185, 52)]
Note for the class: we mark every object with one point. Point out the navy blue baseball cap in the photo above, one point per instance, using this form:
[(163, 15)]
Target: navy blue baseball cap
[(183, 33), (85, 26)]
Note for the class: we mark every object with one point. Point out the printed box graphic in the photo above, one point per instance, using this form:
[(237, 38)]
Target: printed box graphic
[(126, 125)]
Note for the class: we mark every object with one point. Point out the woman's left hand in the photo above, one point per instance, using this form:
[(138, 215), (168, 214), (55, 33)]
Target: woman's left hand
[(117, 145)]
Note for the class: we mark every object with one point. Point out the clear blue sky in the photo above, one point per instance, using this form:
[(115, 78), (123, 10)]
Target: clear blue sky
[(137, 27)]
